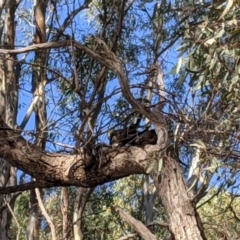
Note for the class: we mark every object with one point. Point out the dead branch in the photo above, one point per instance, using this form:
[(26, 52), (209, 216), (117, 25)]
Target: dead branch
[(138, 226)]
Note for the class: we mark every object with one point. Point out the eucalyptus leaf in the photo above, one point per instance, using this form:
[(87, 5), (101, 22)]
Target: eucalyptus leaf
[(150, 168), (179, 65), (199, 143), (160, 164), (210, 41), (220, 33)]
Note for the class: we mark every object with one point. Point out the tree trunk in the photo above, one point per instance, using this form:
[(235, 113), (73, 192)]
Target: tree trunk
[(38, 89), (34, 218), (8, 110), (64, 209), (81, 199), (183, 219), (149, 196)]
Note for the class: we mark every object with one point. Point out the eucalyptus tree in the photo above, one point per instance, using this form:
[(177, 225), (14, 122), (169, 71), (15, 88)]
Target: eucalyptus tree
[(84, 68)]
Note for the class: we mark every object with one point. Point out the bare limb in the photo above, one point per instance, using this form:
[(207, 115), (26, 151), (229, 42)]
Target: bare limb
[(138, 226), (26, 186), (15, 219), (45, 214)]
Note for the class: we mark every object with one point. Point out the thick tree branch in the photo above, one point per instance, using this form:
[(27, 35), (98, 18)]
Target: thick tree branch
[(68, 170), (71, 169)]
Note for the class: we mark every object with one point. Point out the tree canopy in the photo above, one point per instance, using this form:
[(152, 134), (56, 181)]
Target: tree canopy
[(73, 74)]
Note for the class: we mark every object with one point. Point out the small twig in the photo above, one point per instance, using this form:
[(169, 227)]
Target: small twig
[(14, 217)]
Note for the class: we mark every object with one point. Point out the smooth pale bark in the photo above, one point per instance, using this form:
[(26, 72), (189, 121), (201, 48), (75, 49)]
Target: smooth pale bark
[(149, 195), (38, 79), (81, 199), (138, 226), (34, 217), (8, 110), (64, 210)]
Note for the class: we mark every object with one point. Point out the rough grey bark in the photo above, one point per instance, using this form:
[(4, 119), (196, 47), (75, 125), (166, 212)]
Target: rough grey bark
[(183, 219), (66, 170)]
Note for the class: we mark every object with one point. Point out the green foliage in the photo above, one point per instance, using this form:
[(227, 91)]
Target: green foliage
[(20, 221), (220, 215), (100, 218), (208, 77)]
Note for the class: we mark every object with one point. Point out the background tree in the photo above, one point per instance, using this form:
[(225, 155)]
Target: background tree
[(10, 70)]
